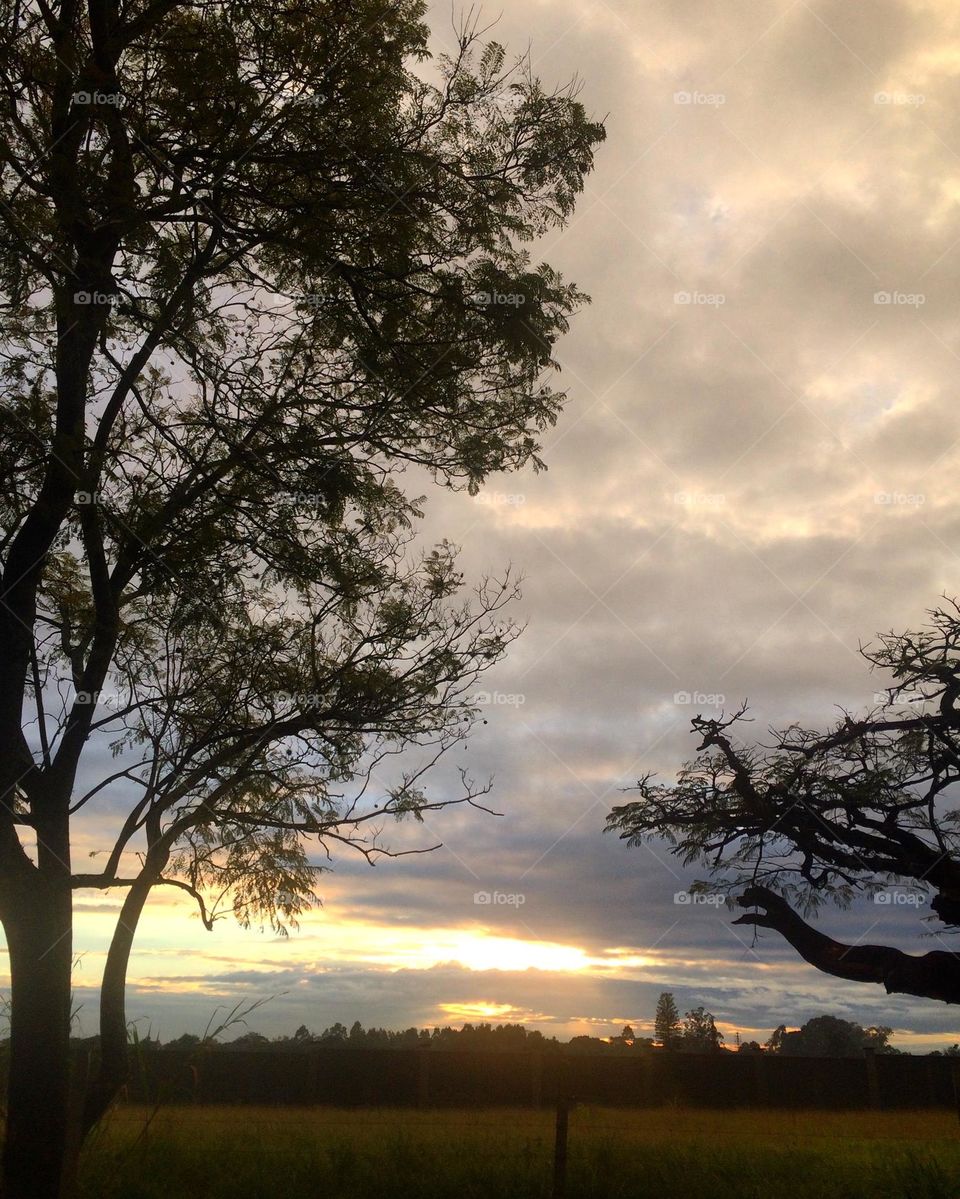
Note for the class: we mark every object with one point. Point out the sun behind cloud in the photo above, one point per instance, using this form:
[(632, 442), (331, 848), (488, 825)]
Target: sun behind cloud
[(481, 1009)]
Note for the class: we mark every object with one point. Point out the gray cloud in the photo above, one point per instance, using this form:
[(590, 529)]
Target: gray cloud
[(709, 521)]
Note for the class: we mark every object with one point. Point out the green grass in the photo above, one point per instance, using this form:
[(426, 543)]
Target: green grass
[(256, 1153)]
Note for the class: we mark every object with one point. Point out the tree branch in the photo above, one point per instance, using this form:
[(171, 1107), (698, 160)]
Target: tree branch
[(934, 975)]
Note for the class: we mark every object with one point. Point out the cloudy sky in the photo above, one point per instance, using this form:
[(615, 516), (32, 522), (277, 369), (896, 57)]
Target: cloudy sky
[(756, 470)]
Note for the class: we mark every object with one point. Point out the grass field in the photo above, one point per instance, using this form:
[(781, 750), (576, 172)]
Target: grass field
[(256, 1153)]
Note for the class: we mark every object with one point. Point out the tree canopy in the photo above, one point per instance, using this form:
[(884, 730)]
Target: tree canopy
[(666, 1021), (866, 807), (830, 1036), (255, 259)]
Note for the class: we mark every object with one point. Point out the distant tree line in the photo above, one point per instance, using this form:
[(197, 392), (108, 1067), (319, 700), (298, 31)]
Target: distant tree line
[(485, 1037), (696, 1032), (821, 1036)]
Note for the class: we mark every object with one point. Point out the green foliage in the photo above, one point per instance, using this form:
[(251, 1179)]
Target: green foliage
[(293, 250)]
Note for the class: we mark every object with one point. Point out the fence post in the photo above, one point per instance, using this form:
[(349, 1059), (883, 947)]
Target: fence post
[(560, 1148), (873, 1081)]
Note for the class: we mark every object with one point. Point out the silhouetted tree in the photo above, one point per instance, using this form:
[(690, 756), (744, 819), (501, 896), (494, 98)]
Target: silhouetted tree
[(775, 1041), (829, 1036), (585, 1044), (250, 263), (877, 1037), (666, 1024), (250, 1040), (188, 1040), (867, 807), (700, 1033)]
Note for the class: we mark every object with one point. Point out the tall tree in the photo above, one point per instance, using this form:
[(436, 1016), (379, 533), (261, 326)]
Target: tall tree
[(700, 1033), (867, 807), (666, 1023), (251, 265)]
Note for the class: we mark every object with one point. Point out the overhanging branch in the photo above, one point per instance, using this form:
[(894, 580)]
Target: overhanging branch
[(934, 975)]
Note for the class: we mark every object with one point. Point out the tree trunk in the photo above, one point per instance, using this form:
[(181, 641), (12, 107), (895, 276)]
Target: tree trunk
[(41, 1144), (114, 1063)]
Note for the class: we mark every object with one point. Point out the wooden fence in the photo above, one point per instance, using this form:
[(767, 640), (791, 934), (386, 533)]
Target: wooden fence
[(453, 1078)]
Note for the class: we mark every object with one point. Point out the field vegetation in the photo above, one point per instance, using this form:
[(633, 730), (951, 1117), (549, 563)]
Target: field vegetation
[(670, 1153)]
